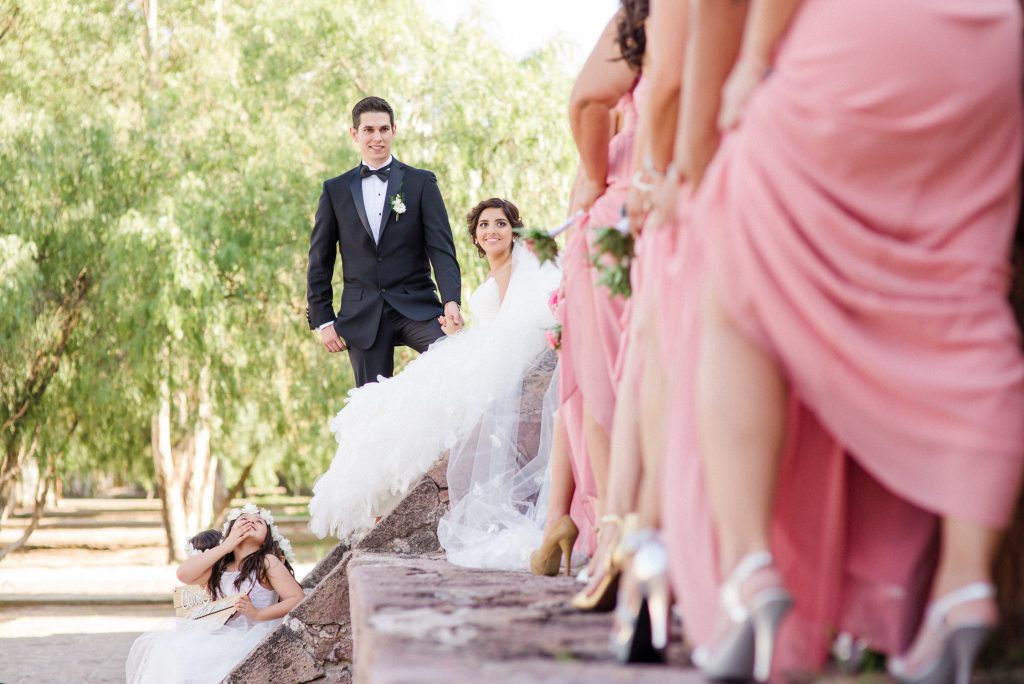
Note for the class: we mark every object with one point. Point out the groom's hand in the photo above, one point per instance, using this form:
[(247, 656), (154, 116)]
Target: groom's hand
[(451, 310), (333, 343)]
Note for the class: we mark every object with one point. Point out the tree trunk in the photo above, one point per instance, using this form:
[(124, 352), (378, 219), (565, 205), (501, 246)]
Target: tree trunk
[(234, 491), (203, 467), (42, 491), (186, 467), (170, 479)]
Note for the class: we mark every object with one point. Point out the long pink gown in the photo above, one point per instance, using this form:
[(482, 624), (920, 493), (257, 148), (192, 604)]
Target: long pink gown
[(856, 225), (591, 325)]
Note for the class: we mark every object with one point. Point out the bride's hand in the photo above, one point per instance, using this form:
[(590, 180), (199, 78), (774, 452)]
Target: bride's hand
[(448, 325)]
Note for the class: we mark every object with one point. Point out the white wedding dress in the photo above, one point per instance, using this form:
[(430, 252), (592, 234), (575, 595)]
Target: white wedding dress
[(180, 651), (462, 395)]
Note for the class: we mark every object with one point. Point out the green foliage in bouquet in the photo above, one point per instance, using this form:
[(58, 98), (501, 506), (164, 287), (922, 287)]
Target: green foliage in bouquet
[(539, 242), (613, 257)]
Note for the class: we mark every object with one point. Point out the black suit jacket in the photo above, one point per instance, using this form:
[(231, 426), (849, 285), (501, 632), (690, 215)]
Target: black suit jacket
[(395, 270)]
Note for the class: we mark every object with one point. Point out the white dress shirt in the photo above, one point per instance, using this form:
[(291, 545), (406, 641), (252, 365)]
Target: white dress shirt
[(374, 193)]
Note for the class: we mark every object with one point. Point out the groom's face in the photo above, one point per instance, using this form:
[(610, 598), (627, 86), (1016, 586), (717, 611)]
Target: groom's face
[(374, 136)]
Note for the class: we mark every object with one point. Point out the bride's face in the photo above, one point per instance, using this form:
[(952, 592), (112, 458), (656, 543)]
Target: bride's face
[(494, 232)]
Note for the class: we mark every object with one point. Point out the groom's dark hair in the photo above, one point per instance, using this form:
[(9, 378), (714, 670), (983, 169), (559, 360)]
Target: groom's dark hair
[(372, 104)]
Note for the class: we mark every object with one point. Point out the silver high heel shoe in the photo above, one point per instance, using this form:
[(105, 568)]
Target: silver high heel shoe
[(745, 650), (640, 629), (959, 644)]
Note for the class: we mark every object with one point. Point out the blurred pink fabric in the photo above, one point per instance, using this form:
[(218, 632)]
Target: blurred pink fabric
[(857, 226), (591, 320)]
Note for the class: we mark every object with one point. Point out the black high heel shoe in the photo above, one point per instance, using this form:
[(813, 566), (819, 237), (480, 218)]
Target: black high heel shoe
[(640, 631)]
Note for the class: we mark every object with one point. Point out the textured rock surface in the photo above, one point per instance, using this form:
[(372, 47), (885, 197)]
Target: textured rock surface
[(420, 619), (315, 642), (535, 385)]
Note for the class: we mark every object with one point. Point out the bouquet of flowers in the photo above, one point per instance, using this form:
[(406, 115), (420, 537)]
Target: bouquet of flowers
[(542, 242), (613, 258), (553, 335)]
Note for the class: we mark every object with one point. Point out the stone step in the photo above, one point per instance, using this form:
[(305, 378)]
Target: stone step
[(421, 619)]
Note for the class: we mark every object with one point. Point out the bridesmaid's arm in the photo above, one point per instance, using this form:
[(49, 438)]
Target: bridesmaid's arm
[(766, 24), (605, 78), (666, 48), (716, 29)]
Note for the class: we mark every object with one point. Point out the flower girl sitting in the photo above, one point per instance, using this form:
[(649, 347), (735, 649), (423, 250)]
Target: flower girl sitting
[(252, 562)]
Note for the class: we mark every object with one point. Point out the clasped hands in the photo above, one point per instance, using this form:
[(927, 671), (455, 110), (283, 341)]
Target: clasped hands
[(451, 321)]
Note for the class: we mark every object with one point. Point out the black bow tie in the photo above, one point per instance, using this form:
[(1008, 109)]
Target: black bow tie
[(365, 171)]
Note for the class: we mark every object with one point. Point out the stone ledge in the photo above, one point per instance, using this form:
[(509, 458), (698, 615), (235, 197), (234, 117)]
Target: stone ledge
[(421, 619), (315, 641)]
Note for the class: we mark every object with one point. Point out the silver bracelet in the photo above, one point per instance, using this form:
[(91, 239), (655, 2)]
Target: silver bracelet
[(638, 182)]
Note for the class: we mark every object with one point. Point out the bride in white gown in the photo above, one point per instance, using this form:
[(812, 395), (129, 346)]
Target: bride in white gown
[(462, 395)]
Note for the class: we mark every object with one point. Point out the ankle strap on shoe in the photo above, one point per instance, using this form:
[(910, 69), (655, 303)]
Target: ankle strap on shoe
[(975, 591), (731, 597)]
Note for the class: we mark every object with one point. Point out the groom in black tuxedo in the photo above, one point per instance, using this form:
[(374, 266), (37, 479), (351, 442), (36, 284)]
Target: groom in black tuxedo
[(389, 223)]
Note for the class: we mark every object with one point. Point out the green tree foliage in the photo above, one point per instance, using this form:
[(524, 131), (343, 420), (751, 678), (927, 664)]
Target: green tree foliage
[(163, 162)]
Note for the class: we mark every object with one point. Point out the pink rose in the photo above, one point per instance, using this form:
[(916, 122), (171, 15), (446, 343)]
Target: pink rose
[(553, 302), (553, 338)]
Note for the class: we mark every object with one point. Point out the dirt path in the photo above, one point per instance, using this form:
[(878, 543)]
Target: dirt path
[(42, 644), (91, 579)]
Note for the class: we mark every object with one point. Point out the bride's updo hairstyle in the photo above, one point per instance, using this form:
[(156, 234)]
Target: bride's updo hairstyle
[(510, 210)]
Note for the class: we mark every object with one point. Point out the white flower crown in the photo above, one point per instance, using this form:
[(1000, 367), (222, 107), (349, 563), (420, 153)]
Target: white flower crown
[(191, 550), (275, 534)]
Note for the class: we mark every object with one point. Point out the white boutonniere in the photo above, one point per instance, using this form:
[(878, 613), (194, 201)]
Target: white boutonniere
[(398, 205)]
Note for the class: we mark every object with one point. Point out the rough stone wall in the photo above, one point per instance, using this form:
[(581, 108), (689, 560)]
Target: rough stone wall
[(314, 643)]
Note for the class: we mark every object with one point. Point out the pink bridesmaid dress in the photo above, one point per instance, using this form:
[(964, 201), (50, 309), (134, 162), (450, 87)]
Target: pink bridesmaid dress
[(856, 225), (591, 325)]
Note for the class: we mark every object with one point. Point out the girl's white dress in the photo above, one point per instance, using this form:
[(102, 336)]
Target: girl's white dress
[(462, 396), (180, 651)]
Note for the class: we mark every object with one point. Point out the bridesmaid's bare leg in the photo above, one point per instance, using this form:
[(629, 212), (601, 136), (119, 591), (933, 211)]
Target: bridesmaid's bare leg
[(624, 464), (563, 484), (653, 407), (968, 549), (598, 448), (741, 408), (624, 469)]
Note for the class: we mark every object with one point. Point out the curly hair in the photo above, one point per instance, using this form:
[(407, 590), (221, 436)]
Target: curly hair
[(510, 210), (631, 35)]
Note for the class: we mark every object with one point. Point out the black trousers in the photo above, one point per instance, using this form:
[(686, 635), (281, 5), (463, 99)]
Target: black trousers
[(395, 330)]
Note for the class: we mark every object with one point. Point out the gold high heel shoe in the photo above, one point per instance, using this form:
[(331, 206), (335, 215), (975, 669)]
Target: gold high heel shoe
[(601, 597), (957, 644), (558, 543)]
